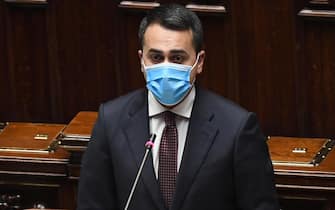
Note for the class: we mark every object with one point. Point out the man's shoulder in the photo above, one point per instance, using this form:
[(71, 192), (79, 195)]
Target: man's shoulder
[(219, 103), (227, 114)]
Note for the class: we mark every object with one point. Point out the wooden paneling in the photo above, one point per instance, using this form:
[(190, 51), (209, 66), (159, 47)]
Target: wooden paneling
[(130, 70), (85, 53), (4, 74), (25, 49), (318, 73), (66, 56), (219, 74), (266, 53)]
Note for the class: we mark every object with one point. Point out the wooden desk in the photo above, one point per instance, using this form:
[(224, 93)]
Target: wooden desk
[(37, 179), (300, 185), (30, 172), (39, 175)]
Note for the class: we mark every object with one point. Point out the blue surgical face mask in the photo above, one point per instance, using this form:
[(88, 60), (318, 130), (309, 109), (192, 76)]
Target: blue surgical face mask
[(169, 82)]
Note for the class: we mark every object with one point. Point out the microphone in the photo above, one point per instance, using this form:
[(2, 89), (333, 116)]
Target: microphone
[(148, 146)]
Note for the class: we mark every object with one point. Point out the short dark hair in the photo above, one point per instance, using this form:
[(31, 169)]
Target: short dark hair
[(174, 17)]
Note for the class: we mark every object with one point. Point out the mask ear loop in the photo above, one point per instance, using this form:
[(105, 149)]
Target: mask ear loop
[(142, 60), (143, 66), (195, 63)]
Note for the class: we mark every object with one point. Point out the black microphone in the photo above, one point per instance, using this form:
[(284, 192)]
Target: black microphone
[(148, 146)]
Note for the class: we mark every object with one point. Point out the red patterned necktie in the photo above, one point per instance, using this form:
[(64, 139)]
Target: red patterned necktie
[(168, 149)]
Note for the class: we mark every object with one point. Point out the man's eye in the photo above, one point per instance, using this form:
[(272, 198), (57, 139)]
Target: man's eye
[(156, 58), (177, 59)]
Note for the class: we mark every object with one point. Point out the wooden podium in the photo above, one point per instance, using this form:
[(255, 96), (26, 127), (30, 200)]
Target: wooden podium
[(33, 169), (40, 163), (77, 134), (304, 172), (75, 138)]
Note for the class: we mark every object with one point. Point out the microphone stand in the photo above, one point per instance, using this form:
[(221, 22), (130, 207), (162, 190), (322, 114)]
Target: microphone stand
[(148, 145)]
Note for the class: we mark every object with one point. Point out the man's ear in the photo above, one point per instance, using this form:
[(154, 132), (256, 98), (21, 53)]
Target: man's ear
[(140, 56), (201, 60)]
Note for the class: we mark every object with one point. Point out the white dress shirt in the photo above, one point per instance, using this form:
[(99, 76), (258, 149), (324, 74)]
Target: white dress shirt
[(157, 124)]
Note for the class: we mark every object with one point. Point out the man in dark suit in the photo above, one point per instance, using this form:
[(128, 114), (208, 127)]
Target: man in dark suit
[(209, 152)]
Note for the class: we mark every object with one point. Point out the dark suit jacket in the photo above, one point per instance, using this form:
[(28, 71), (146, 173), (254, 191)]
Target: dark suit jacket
[(225, 164)]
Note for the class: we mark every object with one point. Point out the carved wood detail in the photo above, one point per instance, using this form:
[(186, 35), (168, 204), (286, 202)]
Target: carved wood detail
[(319, 9), (27, 2), (201, 8)]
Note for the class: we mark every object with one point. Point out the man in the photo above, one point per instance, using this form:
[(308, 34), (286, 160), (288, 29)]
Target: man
[(209, 153)]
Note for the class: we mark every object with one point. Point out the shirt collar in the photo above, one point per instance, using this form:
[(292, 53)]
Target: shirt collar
[(183, 109)]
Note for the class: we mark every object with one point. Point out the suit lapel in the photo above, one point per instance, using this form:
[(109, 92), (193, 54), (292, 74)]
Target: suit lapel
[(201, 134), (137, 133)]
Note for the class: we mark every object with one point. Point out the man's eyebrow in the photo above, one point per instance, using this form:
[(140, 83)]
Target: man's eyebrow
[(178, 52), (175, 51), (155, 51)]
